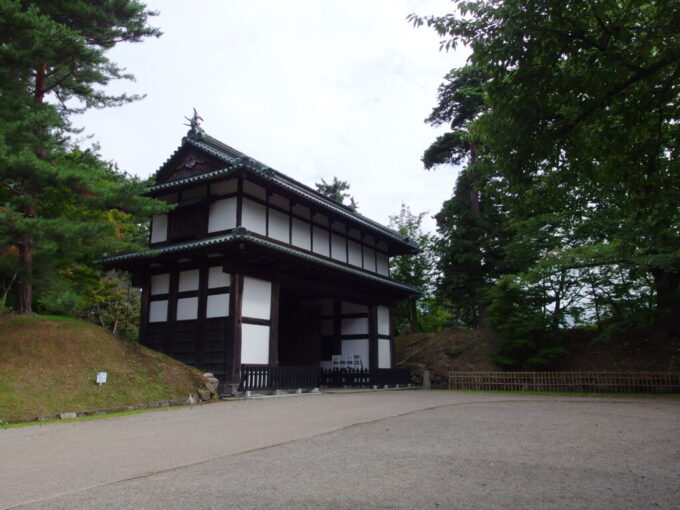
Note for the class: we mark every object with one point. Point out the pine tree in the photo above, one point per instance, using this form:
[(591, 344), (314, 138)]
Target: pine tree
[(52, 64)]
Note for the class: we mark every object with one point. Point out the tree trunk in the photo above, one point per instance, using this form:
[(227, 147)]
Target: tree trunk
[(413, 316), (480, 320), (25, 285)]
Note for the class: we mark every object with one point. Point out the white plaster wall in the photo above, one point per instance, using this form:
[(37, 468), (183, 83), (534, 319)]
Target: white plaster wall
[(384, 357), (223, 187), (188, 280), (354, 253), (187, 309), (279, 226), (158, 311), (355, 326), (369, 259), (257, 298), (218, 278), (159, 228), (254, 344), (383, 264), (347, 307), (383, 320), (254, 217), (222, 215), (160, 284), (360, 347), (320, 244), (338, 248), (302, 237), (217, 306)]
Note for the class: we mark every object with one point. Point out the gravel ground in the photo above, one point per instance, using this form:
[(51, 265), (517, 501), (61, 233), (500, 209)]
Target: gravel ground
[(409, 449)]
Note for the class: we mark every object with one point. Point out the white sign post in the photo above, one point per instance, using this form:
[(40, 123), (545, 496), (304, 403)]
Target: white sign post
[(101, 377)]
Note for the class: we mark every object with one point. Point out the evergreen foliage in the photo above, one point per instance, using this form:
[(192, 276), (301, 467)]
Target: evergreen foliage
[(580, 136), (337, 190), (426, 313), (61, 206)]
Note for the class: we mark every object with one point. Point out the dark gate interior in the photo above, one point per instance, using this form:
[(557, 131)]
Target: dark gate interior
[(299, 331)]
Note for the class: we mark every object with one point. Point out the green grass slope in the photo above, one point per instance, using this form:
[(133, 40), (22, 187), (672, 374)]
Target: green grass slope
[(48, 365)]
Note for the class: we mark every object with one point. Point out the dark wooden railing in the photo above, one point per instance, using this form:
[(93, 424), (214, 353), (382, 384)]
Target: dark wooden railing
[(587, 382), (268, 377)]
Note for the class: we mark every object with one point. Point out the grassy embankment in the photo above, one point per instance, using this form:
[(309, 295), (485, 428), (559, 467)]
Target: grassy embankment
[(48, 365)]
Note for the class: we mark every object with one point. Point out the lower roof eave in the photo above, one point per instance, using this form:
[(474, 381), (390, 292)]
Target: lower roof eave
[(240, 242)]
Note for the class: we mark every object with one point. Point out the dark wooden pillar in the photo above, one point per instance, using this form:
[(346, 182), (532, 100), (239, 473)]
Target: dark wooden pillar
[(172, 309), (233, 368), (337, 327)]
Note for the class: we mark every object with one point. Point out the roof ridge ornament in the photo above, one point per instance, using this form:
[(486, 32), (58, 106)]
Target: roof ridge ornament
[(195, 131)]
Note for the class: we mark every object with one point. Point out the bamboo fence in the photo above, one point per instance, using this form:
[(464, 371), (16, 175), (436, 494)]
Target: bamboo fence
[(580, 382)]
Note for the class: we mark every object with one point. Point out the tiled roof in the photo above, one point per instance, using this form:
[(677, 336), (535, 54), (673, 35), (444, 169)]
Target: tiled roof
[(243, 235), (237, 160)]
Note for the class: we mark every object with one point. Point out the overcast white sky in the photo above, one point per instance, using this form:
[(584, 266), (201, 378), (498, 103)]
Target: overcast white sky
[(312, 88)]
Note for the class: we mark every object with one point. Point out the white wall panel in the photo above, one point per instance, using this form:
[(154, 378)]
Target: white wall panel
[(218, 278), (383, 264), (158, 311), (384, 355), (159, 228), (279, 226), (160, 284), (217, 306), (354, 253), (347, 307), (254, 344), (257, 298), (223, 187), (320, 244), (355, 326), (222, 215), (302, 234), (187, 309), (360, 347), (338, 247), (188, 280), (383, 320), (369, 259), (254, 217)]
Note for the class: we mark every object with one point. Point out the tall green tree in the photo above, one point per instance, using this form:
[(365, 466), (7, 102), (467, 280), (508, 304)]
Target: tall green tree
[(582, 127), (52, 64), (425, 313)]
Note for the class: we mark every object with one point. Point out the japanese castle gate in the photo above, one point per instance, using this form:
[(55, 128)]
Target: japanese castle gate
[(257, 277)]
